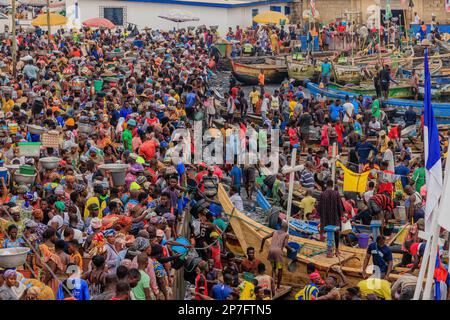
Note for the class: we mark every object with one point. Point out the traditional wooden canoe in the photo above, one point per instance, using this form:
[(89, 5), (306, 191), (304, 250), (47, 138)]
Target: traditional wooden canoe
[(247, 70), (300, 70), (347, 74), (401, 91), (250, 234)]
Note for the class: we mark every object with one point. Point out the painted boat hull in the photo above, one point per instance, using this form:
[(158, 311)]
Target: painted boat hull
[(300, 70), (399, 92), (347, 74), (441, 110), (248, 74)]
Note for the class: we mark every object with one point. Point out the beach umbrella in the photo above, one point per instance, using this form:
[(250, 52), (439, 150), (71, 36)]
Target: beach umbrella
[(99, 23), (271, 17), (179, 16), (55, 20)]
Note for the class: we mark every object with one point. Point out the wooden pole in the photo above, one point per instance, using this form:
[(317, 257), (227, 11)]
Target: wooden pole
[(291, 185), (48, 21), (14, 39)]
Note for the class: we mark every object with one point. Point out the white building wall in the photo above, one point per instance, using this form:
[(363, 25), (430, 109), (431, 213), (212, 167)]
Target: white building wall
[(146, 14)]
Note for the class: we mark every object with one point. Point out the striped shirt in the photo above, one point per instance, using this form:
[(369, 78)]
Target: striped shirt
[(384, 202), (309, 292), (307, 179)]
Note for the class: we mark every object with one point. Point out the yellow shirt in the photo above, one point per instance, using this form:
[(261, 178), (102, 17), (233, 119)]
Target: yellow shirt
[(380, 287), (254, 96), (292, 105), (384, 143), (7, 105), (92, 200), (247, 291), (307, 204)]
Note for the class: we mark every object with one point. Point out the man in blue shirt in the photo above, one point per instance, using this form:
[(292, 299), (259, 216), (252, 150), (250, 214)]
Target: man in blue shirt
[(222, 291), (190, 98), (356, 104), (381, 256), (74, 286), (236, 177), (335, 110), (363, 149), (326, 72), (403, 170), (410, 117)]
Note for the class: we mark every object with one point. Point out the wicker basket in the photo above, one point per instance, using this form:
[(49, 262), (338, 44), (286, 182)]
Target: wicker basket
[(50, 140)]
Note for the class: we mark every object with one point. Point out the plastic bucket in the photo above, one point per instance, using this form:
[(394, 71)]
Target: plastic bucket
[(98, 85), (29, 149), (363, 240), (296, 248), (4, 174), (25, 169), (118, 172)]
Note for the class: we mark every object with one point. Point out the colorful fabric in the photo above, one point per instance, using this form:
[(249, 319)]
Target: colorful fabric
[(354, 182)]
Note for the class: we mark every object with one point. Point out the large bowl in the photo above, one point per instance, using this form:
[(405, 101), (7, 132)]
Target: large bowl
[(50, 162), (13, 257), (24, 178), (34, 129)]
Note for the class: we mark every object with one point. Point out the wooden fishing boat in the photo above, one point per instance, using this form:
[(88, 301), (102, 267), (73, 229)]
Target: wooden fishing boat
[(251, 233), (444, 45), (441, 109), (301, 70), (435, 67), (347, 74), (402, 91), (247, 70)]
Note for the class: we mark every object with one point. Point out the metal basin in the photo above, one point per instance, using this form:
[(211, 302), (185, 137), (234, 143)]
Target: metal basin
[(50, 162), (13, 257)]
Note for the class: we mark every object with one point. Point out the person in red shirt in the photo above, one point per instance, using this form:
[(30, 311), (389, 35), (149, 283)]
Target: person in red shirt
[(153, 119), (395, 134), (148, 148), (386, 179), (234, 92), (339, 128), (200, 280), (200, 174)]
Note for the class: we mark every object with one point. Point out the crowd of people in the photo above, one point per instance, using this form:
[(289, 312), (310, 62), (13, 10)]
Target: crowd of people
[(109, 99)]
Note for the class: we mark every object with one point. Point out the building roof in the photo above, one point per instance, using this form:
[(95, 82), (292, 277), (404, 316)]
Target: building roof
[(217, 3)]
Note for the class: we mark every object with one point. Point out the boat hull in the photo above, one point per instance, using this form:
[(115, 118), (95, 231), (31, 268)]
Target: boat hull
[(248, 74), (301, 70), (399, 92), (441, 110)]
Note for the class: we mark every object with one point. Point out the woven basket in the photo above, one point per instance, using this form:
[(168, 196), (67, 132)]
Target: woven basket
[(50, 140)]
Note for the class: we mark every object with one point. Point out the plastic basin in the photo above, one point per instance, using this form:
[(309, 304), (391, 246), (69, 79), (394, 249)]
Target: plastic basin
[(118, 172)]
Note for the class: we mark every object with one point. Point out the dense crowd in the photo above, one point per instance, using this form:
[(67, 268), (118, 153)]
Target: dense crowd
[(110, 98)]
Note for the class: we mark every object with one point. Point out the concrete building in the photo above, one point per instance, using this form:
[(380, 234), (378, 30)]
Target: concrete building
[(229, 13), (144, 13), (330, 9)]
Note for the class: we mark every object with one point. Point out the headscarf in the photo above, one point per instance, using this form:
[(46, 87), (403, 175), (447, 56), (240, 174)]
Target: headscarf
[(141, 243)]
